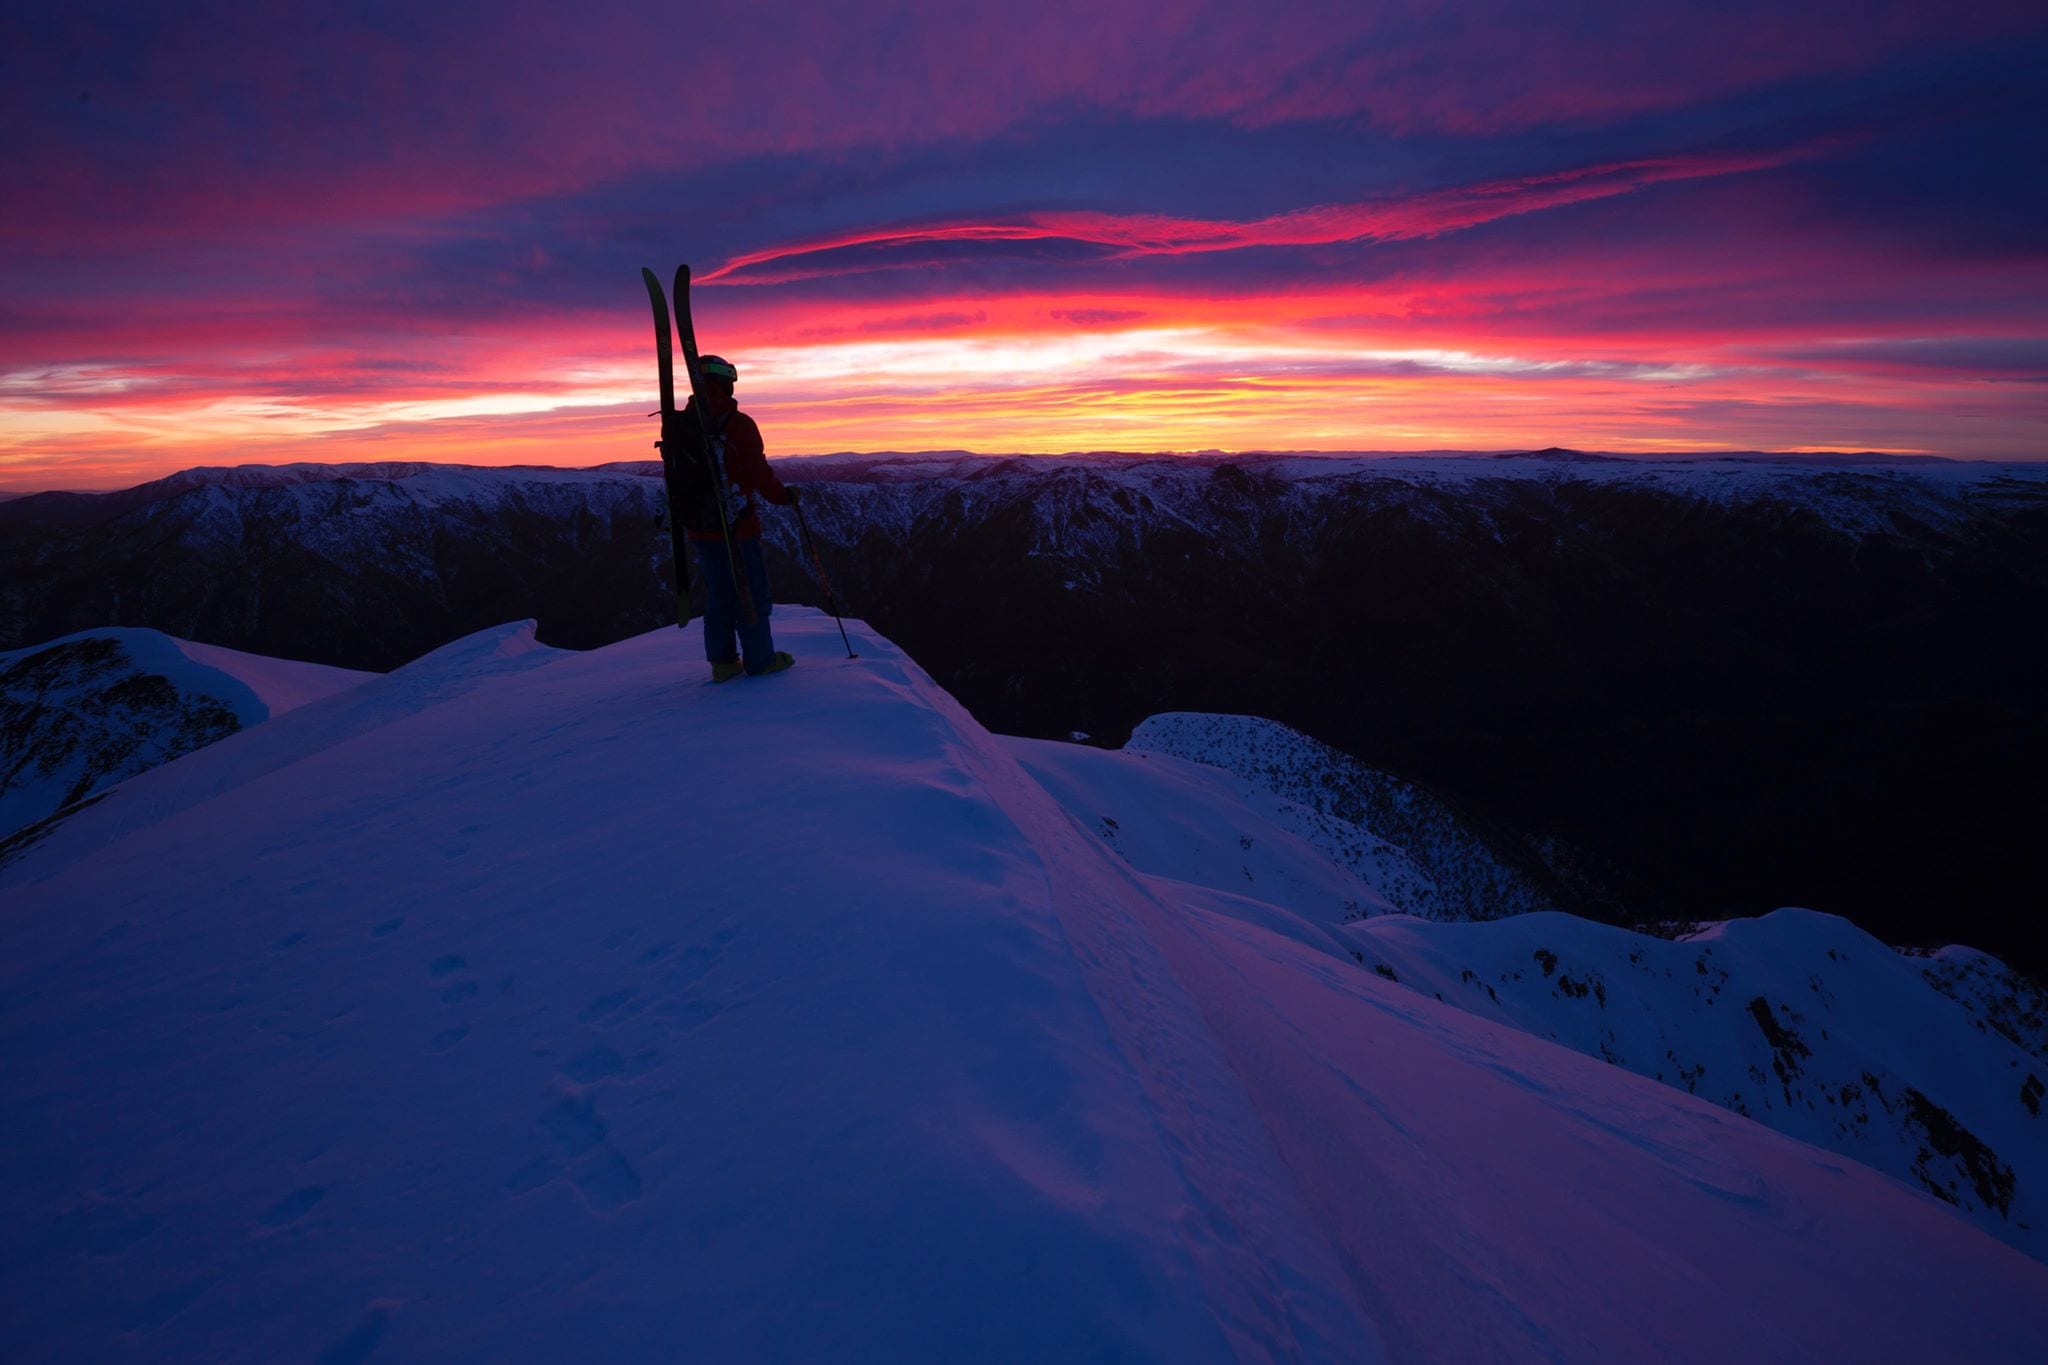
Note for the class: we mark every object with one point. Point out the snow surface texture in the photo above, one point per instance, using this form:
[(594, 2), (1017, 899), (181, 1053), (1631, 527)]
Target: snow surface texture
[(534, 1005), (81, 713), (1929, 1071)]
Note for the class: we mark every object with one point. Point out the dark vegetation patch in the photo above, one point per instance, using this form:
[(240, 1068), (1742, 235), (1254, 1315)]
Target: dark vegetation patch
[(1992, 1178), (2002, 1000), (1787, 1048), (28, 836), (81, 714), (1579, 990)]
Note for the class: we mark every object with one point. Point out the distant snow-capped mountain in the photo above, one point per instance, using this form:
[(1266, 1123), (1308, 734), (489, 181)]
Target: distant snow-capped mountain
[(529, 1002), (450, 530), (82, 713)]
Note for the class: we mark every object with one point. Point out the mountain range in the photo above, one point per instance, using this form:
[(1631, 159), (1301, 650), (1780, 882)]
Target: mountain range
[(1666, 690)]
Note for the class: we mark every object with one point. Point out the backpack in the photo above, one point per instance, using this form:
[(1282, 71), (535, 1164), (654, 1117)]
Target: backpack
[(696, 473)]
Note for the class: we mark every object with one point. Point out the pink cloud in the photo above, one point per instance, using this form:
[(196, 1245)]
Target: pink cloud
[(1427, 214)]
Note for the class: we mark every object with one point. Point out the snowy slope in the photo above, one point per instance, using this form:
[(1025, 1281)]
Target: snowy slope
[(81, 713), (1931, 1071), (1192, 822), (1395, 834), (1798, 1019), (547, 1005)]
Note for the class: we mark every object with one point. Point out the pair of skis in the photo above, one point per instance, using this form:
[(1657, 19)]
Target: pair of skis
[(671, 471)]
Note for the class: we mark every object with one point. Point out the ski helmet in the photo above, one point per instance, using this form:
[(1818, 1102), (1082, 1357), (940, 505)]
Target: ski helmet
[(718, 367)]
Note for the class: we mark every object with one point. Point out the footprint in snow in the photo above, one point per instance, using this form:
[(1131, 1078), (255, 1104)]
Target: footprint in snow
[(607, 1181), (294, 1206), (573, 1123)]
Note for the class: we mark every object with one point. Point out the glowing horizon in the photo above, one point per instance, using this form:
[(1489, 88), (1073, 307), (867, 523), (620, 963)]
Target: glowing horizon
[(1775, 248)]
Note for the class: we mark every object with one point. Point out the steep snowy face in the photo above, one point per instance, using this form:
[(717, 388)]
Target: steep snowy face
[(1356, 814), (528, 1004), (1998, 998), (1798, 1020), (1930, 1070), (81, 713)]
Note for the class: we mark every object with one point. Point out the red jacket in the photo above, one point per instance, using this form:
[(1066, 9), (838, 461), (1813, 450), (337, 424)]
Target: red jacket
[(746, 466)]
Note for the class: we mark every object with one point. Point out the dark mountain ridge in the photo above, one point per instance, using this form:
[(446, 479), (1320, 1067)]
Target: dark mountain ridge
[(1734, 683)]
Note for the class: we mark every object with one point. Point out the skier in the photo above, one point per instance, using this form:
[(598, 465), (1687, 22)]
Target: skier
[(735, 448)]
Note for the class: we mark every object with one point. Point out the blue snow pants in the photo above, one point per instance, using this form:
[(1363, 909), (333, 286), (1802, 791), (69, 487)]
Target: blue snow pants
[(722, 623)]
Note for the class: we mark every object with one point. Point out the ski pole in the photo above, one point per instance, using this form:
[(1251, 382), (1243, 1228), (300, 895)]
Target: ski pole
[(818, 568)]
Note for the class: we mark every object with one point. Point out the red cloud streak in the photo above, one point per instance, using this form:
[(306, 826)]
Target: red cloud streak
[(1427, 214)]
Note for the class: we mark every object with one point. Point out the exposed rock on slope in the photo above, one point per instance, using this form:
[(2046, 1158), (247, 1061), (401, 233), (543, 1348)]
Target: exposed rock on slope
[(81, 713)]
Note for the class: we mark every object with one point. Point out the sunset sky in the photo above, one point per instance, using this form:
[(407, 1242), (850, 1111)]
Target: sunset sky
[(259, 233)]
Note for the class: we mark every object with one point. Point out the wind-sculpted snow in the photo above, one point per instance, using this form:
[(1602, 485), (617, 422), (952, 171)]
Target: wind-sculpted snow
[(78, 715), (590, 1010)]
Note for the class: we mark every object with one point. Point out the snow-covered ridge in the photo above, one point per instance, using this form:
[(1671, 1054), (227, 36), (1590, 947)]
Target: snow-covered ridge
[(83, 712), (1354, 814), (415, 553), (1997, 998), (1799, 1020), (1929, 1070), (537, 1004), (1850, 493)]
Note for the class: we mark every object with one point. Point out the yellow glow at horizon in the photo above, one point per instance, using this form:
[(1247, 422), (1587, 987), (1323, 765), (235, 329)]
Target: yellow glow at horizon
[(1239, 383)]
